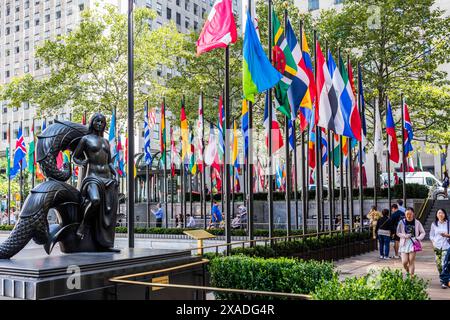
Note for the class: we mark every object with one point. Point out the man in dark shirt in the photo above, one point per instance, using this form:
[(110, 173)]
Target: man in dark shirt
[(396, 216)]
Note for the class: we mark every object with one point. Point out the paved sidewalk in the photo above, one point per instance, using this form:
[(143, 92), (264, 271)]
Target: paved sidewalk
[(425, 268)]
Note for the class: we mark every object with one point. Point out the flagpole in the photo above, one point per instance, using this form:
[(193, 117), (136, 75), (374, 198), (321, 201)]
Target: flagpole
[(333, 180), (203, 204), (8, 162), (375, 160), (295, 176), (302, 164), (269, 115), (287, 154), (317, 151), (130, 149), (350, 171), (330, 168), (165, 166), (361, 114), (227, 153), (403, 149), (388, 167)]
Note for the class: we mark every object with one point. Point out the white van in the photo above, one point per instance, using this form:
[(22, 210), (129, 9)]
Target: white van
[(424, 178)]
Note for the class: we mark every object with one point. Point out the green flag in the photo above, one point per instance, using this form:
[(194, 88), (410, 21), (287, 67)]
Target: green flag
[(8, 163), (31, 164), (419, 163), (284, 62)]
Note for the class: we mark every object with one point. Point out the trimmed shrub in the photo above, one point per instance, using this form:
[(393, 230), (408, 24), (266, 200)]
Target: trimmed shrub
[(6, 227), (277, 275), (385, 285)]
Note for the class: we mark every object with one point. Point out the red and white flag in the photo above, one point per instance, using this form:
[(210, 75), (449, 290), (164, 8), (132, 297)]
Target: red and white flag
[(219, 29)]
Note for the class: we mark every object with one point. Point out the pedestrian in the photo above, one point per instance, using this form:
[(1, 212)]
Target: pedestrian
[(384, 231), (400, 205), (373, 217), (445, 183), (190, 221), (216, 216), (396, 216), (179, 220), (439, 236), (158, 215), (411, 233), (396, 178)]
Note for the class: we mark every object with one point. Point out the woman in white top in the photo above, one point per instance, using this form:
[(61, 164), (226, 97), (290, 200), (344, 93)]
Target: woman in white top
[(439, 235)]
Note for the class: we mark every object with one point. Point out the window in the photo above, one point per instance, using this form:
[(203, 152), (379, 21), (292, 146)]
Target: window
[(195, 25), (58, 14), (338, 1), (27, 4), (37, 66), (17, 28), (47, 18), (148, 3), (26, 68), (195, 8), (186, 5), (26, 131), (187, 23), (17, 9), (36, 22), (178, 2), (81, 7), (5, 109), (313, 5), (7, 52), (178, 18), (7, 73), (5, 135), (27, 46), (8, 30), (26, 105), (16, 50), (69, 11), (203, 12), (169, 13), (27, 24), (8, 10), (158, 8)]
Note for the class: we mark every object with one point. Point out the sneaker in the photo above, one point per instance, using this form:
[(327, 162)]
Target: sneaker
[(444, 286), (396, 257), (381, 257), (386, 258)]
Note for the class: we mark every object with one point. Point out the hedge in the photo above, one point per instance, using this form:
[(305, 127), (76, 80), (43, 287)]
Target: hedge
[(6, 227), (385, 285), (277, 275)]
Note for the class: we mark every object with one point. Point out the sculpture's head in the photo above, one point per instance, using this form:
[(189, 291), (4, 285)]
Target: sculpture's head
[(97, 123)]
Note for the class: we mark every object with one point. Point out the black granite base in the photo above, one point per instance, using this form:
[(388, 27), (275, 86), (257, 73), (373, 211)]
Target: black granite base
[(33, 275)]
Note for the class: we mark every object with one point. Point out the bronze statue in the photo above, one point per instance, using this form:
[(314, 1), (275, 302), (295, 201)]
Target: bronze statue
[(86, 217)]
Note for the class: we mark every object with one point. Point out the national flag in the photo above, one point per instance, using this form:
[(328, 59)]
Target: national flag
[(220, 122), (151, 117), (244, 125), (300, 82), (211, 148), (277, 138), (261, 175), (363, 114), (112, 138), (312, 141), (237, 185), (31, 153), (19, 155), (121, 164), (342, 105), (378, 144), (200, 135), (391, 135), (355, 117), (162, 134), (147, 152), (279, 175), (324, 145), (306, 106), (184, 134), (419, 163), (326, 100), (285, 64), (235, 153), (407, 131), (410, 164), (192, 163), (291, 134), (219, 29), (258, 74)]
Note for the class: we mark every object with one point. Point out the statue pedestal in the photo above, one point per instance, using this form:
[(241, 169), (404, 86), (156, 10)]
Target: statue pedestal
[(34, 275)]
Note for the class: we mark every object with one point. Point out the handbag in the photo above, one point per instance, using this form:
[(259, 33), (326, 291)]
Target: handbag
[(417, 246)]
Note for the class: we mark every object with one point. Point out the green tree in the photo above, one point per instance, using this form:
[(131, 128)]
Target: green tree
[(89, 65)]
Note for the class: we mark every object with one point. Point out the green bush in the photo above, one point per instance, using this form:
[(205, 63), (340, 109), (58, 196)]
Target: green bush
[(385, 285), (6, 227), (277, 275)]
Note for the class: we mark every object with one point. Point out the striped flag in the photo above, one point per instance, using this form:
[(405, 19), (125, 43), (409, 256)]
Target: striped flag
[(200, 125), (326, 100), (162, 133), (391, 135), (306, 106), (244, 126), (31, 153), (121, 166), (184, 134), (192, 162), (112, 138), (407, 131), (147, 153), (285, 64), (344, 98), (355, 117)]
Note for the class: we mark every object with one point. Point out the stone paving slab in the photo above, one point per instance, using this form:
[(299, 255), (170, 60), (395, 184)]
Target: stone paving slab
[(425, 268)]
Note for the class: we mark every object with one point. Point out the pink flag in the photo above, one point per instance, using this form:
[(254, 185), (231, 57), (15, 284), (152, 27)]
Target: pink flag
[(219, 29)]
